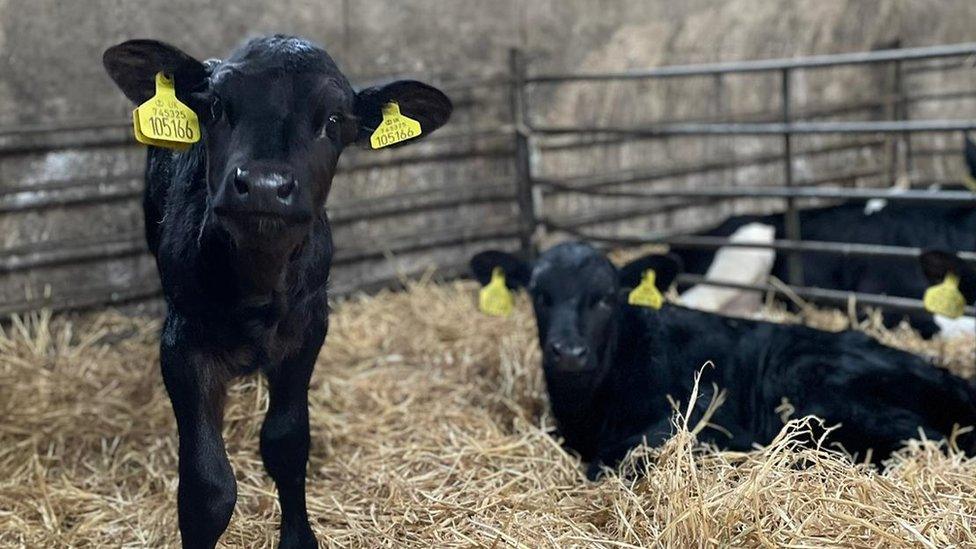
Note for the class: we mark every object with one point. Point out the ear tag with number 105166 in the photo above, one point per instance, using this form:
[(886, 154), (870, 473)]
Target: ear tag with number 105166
[(495, 299), (646, 293), (164, 121), (394, 128), (945, 298)]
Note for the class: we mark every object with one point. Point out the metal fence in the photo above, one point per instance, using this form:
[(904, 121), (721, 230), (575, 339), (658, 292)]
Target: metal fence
[(510, 201), (53, 255), (533, 189)]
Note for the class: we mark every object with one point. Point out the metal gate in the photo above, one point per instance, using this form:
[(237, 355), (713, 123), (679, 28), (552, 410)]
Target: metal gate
[(897, 131)]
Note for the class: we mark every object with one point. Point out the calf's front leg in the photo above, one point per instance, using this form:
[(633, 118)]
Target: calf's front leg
[(285, 442), (207, 491)]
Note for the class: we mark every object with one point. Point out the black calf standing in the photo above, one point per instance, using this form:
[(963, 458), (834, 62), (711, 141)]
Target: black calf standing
[(243, 246), (610, 367)]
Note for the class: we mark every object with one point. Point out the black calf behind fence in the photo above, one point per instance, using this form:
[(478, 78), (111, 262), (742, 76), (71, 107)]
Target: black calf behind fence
[(74, 240)]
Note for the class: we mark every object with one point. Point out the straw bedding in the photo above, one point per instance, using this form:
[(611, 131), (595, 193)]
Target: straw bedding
[(430, 429)]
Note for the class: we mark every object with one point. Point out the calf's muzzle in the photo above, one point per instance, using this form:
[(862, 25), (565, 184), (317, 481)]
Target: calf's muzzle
[(263, 191)]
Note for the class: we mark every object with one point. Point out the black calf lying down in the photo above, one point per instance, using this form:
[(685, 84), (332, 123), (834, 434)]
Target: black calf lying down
[(609, 366), (950, 227)]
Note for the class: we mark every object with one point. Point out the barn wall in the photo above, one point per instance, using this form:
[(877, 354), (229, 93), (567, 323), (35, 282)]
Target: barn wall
[(81, 191)]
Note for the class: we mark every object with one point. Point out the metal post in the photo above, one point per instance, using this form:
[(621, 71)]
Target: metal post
[(792, 218), (891, 113), (523, 168), (901, 112)]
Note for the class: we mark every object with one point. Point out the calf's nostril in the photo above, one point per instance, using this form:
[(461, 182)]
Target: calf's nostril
[(578, 353), (555, 349), (567, 353), (240, 182), (286, 188)]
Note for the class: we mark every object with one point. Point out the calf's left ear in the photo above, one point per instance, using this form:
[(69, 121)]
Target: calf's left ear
[(421, 102), (517, 271), (666, 268), (936, 264)]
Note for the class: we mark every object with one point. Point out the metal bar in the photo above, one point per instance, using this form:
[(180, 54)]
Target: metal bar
[(792, 217), (800, 246), (523, 168), (741, 117), (766, 65), (820, 295), (634, 176), (768, 128), (937, 197), (808, 113), (661, 206)]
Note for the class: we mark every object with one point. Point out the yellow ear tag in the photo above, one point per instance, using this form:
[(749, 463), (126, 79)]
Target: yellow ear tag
[(945, 298), (495, 299), (970, 182), (394, 128), (646, 293), (164, 121)]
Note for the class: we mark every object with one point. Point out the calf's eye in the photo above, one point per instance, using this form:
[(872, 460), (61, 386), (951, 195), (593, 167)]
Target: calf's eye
[(332, 127), (328, 127)]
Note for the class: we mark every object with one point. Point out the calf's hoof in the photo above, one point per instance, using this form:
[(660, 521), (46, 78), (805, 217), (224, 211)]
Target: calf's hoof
[(298, 538)]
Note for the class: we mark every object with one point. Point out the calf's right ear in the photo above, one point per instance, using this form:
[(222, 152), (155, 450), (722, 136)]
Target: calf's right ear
[(936, 264), (133, 66), (517, 271), (666, 269)]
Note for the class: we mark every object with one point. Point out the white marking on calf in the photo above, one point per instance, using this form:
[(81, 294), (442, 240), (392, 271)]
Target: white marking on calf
[(955, 327), (875, 205), (739, 266)]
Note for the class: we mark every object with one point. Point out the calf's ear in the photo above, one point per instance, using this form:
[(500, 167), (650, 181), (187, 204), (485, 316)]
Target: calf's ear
[(666, 268), (421, 102), (133, 66), (936, 264), (969, 151), (517, 271)]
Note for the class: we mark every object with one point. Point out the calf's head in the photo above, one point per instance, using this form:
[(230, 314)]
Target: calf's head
[(274, 118), (577, 295)]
